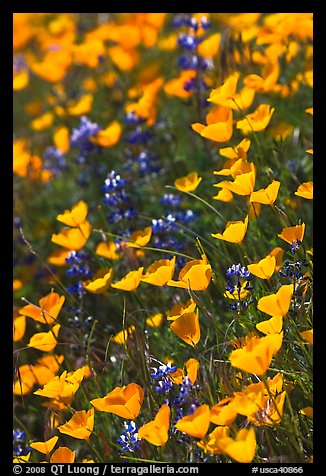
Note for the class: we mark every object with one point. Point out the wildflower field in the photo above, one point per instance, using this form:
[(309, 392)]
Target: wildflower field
[(162, 292)]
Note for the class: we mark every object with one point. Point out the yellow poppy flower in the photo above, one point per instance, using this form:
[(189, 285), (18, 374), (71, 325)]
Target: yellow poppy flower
[(45, 341), (271, 326), (224, 412), (266, 81), (62, 388), (196, 424), (61, 139), (42, 122), (81, 106), (305, 190), (107, 249), (58, 257), (256, 356), (219, 126), (130, 282), (264, 269), (19, 328), (192, 366), (189, 183), (266, 195), (76, 216), (210, 443), (257, 120), (80, 425), (155, 320), (224, 195), (159, 272), (100, 282), (243, 448), (109, 136), (122, 336), (277, 304), (235, 231), (237, 167), (209, 47), (140, 238), (180, 309), (73, 238), (237, 151), (45, 447), (123, 401), (242, 185), (156, 431), (20, 79), (196, 274)]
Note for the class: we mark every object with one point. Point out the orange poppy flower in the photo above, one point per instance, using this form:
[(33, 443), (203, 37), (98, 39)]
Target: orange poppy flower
[(278, 253), (123, 401), (308, 336), (291, 234), (175, 87), (63, 455), (187, 328), (196, 424), (80, 425), (48, 309), (58, 257), (156, 431)]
